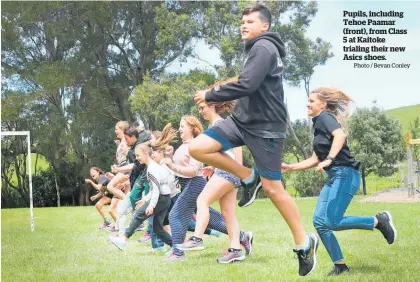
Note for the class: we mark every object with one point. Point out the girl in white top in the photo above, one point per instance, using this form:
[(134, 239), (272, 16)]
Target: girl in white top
[(160, 180)]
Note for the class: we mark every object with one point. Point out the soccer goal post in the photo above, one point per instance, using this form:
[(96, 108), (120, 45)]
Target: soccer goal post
[(28, 137)]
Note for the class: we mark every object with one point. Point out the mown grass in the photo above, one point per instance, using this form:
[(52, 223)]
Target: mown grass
[(68, 246), (405, 115)]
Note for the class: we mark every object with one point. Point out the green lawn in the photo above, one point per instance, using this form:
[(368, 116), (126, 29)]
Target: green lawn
[(68, 246), (406, 115)]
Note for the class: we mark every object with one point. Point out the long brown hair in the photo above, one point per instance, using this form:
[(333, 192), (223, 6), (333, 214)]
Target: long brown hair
[(337, 101), (168, 136), (194, 124), (222, 107)]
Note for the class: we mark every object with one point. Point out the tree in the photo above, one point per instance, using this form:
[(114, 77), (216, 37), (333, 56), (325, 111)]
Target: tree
[(167, 100), (297, 142), (377, 142)]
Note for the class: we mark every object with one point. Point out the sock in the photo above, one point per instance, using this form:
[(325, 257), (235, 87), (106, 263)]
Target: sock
[(232, 250), (250, 178), (305, 246), (214, 233)]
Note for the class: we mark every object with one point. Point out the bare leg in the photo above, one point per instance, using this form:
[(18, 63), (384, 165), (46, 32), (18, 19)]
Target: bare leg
[(99, 205), (228, 207), (206, 150), (113, 209), (117, 179), (287, 207)]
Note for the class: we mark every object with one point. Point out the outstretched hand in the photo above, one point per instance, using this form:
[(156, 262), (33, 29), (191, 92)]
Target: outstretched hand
[(200, 97), (322, 165), (286, 168)]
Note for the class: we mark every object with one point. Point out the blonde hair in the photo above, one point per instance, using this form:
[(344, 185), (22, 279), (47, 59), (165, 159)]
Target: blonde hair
[(222, 107), (337, 101), (168, 135), (194, 124), (123, 125), (144, 148), (157, 134)]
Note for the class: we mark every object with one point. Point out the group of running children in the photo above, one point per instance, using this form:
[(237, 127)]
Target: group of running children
[(174, 190)]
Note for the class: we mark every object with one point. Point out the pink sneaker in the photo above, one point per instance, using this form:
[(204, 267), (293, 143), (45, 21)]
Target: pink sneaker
[(105, 225), (146, 238), (174, 258), (111, 228)]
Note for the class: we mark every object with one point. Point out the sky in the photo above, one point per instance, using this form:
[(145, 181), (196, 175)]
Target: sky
[(390, 88)]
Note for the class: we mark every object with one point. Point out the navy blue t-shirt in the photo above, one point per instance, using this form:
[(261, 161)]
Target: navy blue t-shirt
[(324, 125)]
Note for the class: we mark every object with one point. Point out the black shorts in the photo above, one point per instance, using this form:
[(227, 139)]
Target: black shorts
[(267, 152)]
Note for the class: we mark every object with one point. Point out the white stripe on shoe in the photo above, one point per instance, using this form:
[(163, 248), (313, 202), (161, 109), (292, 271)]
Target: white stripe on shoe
[(392, 226)]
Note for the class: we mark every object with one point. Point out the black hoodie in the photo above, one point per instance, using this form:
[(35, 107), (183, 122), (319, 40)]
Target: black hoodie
[(138, 168), (260, 106)]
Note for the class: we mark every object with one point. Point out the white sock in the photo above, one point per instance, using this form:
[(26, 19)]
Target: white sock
[(305, 246), (250, 178)]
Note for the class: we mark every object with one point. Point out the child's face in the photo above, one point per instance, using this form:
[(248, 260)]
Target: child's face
[(94, 174), (141, 156)]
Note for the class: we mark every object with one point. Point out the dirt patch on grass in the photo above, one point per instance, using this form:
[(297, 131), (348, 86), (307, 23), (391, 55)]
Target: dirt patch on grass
[(392, 196)]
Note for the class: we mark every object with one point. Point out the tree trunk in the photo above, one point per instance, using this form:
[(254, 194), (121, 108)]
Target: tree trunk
[(310, 132), (73, 200), (58, 190), (86, 193), (300, 145), (364, 182), (36, 163), (81, 198)]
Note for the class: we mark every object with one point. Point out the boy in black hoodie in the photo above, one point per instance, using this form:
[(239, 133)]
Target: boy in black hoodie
[(259, 122)]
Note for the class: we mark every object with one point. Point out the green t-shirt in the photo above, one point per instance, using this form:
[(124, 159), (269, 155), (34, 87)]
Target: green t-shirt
[(137, 191)]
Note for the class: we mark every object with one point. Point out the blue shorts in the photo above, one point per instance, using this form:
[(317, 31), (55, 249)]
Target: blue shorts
[(267, 152)]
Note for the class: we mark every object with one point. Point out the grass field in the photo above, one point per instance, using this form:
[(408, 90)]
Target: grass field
[(405, 115), (68, 246)]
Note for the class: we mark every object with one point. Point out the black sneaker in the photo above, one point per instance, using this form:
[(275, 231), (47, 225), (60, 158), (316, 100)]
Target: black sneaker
[(386, 226), (307, 260), (337, 270), (250, 191)]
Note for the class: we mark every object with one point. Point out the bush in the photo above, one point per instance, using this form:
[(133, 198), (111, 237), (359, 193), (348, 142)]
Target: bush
[(44, 192), (309, 183)]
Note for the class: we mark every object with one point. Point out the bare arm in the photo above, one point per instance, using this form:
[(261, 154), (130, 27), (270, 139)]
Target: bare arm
[(125, 168), (338, 142), (306, 164), (336, 146), (97, 187), (191, 170)]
